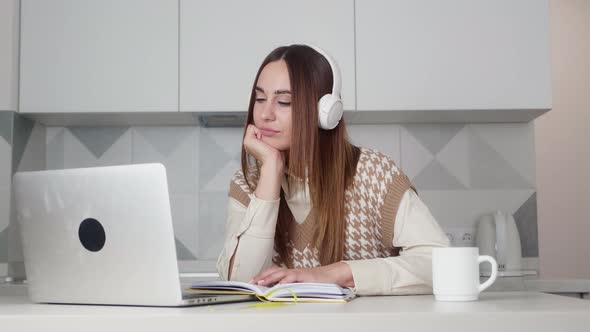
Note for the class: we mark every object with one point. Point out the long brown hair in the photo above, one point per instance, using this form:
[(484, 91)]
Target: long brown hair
[(327, 155)]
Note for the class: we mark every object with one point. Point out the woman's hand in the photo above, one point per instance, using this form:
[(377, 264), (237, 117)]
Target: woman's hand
[(337, 273), (262, 151)]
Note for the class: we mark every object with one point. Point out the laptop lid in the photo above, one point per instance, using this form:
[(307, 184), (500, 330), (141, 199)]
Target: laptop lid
[(98, 235)]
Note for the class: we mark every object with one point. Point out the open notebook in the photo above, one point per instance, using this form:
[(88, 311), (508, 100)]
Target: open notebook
[(295, 292)]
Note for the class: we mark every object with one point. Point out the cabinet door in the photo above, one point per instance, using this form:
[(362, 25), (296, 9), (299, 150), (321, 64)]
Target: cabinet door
[(99, 56), (224, 42), (8, 54), (452, 55)]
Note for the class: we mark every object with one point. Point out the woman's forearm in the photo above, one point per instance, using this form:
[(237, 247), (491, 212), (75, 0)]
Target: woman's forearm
[(269, 183), (267, 189)]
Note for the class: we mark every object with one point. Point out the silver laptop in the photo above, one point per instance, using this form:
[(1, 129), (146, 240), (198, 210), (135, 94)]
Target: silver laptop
[(101, 235)]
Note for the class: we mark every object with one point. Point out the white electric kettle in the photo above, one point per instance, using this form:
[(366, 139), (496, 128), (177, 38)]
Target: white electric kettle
[(497, 236)]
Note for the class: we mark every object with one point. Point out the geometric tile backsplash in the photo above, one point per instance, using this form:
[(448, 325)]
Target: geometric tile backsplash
[(460, 170), (463, 171), (5, 182), (22, 148)]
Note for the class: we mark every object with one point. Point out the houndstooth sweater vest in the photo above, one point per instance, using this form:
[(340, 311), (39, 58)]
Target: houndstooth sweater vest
[(371, 206)]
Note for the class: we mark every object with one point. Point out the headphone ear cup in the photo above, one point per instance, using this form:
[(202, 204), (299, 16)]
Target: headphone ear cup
[(329, 111)]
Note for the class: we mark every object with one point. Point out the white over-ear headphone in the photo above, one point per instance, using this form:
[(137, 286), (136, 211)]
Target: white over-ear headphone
[(330, 107)]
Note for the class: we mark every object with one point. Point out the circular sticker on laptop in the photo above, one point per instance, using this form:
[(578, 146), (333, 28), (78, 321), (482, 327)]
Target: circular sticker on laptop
[(91, 234)]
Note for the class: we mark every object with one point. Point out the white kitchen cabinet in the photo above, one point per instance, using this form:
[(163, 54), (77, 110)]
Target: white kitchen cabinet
[(99, 56), (222, 44), (9, 19), (452, 55)]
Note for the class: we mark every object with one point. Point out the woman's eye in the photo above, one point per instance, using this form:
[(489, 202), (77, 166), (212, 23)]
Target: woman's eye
[(284, 103), (259, 100)]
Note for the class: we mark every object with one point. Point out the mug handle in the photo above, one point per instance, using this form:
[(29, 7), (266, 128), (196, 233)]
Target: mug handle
[(492, 278)]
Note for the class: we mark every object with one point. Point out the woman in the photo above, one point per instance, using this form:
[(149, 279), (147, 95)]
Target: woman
[(307, 205)]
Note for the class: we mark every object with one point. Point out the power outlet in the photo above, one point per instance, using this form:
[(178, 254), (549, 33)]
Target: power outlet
[(461, 236)]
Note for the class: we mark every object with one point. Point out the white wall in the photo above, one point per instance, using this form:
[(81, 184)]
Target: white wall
[(563, 155)]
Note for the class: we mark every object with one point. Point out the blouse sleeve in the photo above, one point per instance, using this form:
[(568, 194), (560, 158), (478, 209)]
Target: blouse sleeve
[(249, 237), (416, 232)]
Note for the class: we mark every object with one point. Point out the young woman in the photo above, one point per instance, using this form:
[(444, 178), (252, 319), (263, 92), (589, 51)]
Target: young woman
[(309, 206)]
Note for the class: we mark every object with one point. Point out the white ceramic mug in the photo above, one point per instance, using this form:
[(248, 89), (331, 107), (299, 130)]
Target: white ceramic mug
[(455, 273)]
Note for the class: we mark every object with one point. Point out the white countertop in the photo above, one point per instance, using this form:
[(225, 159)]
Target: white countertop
[(504, 284), (508, 311), (558, 285)]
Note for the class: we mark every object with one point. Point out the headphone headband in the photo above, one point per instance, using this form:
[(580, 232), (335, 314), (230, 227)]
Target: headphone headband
[(330, 107), (336, 81)]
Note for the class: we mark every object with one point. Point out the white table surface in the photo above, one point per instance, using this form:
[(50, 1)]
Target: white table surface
[(537, 284), (505, 311), (558, 285)]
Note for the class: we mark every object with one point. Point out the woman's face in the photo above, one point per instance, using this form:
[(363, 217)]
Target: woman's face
[(272, 108)]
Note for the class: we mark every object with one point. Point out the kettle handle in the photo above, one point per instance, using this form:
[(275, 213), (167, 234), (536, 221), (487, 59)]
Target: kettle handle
[(494, 269)]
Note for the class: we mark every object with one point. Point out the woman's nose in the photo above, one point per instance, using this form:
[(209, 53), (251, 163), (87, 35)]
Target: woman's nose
[(268, 112)]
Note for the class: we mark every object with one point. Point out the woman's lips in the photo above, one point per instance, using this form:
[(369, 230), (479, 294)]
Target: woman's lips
[(268, 132)]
